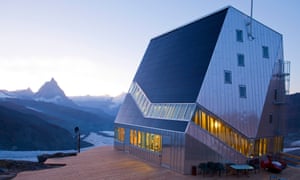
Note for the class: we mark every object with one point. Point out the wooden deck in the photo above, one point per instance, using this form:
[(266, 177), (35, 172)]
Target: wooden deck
[(107, 163)]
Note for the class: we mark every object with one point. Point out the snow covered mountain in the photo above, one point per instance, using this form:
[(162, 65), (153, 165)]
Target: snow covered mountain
[(49, 92), (52, 93), (21, 94), (96, 104), (4, 94), (25, 116)]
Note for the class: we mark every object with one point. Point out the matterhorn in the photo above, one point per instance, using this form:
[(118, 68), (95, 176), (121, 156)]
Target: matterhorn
[(52, 93)]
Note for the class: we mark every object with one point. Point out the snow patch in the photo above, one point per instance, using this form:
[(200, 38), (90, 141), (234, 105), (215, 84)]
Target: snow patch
[(108, 133), (291, 149), (100, 140), (94, 138), (55, 99), (27, 155), (34, 109), (3, 95), (295, 143)]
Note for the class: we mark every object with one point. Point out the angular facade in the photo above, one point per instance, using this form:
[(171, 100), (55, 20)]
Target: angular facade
[(212, 90)]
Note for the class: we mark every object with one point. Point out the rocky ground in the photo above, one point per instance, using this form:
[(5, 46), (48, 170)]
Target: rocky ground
[(10, 168)]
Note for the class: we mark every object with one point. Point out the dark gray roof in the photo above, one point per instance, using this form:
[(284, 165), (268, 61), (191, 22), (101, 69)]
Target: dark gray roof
[(175, 63)]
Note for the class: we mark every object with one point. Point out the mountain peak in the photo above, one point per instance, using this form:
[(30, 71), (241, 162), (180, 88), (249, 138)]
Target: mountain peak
[(53, 80), (50, 90)]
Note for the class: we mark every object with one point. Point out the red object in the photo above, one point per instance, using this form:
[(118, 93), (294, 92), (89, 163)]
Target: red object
[(273, 166)]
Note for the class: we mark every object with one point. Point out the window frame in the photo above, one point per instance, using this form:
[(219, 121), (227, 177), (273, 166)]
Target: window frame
[(239, 35), (265, 52), (242, 91), (226, 80), (241, 58), (275, 95), (270, 118)]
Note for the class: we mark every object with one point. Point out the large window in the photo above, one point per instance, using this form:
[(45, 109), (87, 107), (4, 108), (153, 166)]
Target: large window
[(236, 140), (265, 51), (239, 35), (227, 77), (145, 140), (120, 134), (176, 111)]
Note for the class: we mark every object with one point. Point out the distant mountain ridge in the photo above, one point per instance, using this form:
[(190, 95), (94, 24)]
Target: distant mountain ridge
[(51, 92), (49, 110), (48, 92), (108, 104), (22, 94), (21, 131)]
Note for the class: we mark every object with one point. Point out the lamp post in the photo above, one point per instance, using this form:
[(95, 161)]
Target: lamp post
[(77, 137)]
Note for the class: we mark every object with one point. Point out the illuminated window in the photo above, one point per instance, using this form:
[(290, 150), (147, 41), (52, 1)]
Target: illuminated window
[(157, 143), (203, 120), (143, 145), (211, 124), (196, 118), (152, 142), (234, 139), (133, 137), (139, 139), (120, 134), (278, 144)]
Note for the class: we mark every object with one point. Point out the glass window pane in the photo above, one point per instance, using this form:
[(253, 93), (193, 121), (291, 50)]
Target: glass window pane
[(242, 91), (227, 77), (239, 35), (241, 60), (265, 50)]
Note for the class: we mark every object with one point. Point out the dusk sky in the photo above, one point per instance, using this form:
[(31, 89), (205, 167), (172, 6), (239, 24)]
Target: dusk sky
[(94, 47)]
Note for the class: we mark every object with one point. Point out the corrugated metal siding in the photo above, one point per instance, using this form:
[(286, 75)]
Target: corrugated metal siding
[(217, 151), (223, 99), (172, 154)]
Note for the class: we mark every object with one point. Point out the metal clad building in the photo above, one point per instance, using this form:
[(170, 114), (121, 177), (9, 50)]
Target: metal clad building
[(212, 90)]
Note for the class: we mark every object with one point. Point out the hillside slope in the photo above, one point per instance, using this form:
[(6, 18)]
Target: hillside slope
[(20, 131), (63, 116)]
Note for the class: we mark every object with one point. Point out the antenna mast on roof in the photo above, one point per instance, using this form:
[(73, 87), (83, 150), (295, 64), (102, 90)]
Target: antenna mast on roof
[(250, 35)]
